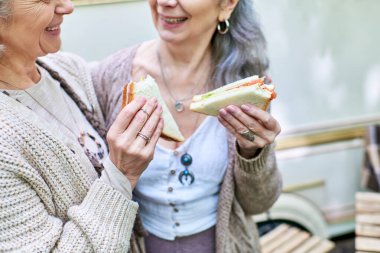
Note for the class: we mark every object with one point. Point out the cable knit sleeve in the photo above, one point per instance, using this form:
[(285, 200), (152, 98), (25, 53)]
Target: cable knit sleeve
[(258, 181), (30, 220)]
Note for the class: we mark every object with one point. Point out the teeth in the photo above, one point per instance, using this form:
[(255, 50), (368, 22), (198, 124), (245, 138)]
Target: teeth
[(52, 28), (174, 20)]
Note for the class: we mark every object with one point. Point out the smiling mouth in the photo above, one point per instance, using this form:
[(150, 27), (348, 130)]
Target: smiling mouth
[(174, 20), (53, 28)]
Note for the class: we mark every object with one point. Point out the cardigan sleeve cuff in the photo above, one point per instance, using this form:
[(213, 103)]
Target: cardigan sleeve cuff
[(114, 177), (108, 205), (255, 165)]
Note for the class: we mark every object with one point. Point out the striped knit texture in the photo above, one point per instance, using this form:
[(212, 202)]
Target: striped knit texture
[(49, 200), (249, 186)]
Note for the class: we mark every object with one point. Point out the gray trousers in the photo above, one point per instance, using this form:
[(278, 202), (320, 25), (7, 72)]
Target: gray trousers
[(203, 242)]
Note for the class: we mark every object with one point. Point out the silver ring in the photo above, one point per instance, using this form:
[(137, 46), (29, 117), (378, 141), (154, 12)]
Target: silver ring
[(145, 111), (145, 137), (248, 135)]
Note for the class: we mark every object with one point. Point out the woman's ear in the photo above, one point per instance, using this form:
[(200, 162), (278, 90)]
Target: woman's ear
[(226, 9)]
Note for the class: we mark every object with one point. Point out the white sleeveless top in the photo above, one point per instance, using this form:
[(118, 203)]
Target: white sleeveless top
[(169, 209)]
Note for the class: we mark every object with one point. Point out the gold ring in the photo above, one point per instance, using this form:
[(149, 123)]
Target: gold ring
[(145, 137), (248, 135)]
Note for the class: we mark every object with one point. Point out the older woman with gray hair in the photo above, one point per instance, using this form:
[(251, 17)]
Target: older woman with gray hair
[(202, 44), (51, 145)]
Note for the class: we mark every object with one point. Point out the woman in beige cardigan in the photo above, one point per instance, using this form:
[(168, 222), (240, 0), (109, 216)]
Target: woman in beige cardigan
[(51, 146), (228, 160)]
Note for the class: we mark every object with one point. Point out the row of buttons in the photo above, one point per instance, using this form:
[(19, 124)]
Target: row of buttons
[(170, 189)]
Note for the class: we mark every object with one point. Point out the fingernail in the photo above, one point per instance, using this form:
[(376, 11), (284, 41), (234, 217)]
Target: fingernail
[(154, 100), (223, 112), (159, 108), (245, 107), (231, 108)]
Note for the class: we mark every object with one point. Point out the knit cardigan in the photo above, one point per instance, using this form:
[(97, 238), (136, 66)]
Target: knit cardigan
[(249, 186), (50, 197)]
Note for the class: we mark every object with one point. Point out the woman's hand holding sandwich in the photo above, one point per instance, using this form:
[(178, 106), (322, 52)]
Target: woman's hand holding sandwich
[(133, 137), (253, 127)]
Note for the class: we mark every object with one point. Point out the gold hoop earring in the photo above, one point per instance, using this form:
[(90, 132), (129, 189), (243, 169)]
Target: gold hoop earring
[(226, 26)]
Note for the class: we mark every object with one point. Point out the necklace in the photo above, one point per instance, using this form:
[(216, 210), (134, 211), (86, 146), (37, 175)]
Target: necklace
[(94, 157), (186, 177), (178, 102)]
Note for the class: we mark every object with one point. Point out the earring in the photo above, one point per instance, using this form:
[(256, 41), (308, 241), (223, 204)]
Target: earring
[(226, 26)]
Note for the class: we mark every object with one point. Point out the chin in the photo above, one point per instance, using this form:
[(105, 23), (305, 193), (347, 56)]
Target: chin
[(170, 37), (50, 49)]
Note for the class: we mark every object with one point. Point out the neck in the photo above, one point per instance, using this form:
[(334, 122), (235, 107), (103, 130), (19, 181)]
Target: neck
[(185, 59), (17, 74)]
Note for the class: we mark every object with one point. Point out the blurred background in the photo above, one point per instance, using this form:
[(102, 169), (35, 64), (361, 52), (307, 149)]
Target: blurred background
[(325, 63)]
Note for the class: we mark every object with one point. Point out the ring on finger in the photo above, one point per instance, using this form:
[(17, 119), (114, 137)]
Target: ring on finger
[(248, 135), (145, 137), (145, 111)]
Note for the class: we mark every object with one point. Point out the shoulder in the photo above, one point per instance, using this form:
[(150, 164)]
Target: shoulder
[(119, 59), (64, 59)]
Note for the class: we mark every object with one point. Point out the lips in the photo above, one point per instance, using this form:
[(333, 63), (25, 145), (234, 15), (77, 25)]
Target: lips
[(173, 20), (54, 27)]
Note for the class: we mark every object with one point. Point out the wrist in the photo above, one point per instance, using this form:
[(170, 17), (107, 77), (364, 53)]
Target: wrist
[(132, 180), (248, 153)]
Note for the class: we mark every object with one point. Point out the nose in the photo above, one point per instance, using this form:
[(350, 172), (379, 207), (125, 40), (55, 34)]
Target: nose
[(167, 3), (64, 7)]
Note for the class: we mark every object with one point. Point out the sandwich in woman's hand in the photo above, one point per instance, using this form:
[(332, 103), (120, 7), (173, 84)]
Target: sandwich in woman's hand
[(250, 90), (148, 88)]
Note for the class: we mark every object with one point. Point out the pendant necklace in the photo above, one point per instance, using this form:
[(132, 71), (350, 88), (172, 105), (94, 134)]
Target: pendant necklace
[(186, 177), (178, 102)]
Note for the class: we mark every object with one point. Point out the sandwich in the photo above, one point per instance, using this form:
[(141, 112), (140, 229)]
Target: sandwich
[(250, 90), (148, 88)]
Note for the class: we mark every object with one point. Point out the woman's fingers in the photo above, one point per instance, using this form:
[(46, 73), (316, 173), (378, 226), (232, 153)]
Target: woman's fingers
[(144, 136), (258, 142), (155, 136), (268, 121), (140, 119), (126, 115), (251, 125)]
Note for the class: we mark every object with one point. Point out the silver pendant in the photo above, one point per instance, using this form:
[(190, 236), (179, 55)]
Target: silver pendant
[(186, 177), (178, 106)]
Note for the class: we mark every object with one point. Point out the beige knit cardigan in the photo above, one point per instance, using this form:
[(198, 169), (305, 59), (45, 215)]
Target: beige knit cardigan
[(50, 197), (249, 186)]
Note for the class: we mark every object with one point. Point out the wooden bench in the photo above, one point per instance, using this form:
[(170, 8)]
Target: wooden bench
[(367, 228), (288, 239)]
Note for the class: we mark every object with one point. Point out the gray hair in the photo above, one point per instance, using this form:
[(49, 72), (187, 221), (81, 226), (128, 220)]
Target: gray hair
[(242, 51), (5, 13)]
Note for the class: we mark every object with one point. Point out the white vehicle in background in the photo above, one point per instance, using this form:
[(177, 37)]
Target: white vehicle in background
[(321, 168)]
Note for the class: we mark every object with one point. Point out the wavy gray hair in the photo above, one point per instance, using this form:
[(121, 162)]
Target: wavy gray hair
[(5, 13), (242, 51)]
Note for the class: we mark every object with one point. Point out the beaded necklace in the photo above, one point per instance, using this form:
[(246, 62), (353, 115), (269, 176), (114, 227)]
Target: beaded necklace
[(186, 177)]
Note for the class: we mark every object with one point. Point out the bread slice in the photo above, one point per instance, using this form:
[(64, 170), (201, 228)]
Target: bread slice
[(148, 88), (250, 90)]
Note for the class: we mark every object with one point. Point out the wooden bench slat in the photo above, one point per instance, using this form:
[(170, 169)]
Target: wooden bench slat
[(270, 247), (278, 231), (367, 244), (367, 207), (367, 230), (373, 219), (367, 197), (293, 243), (323, 247), (308, 245)]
